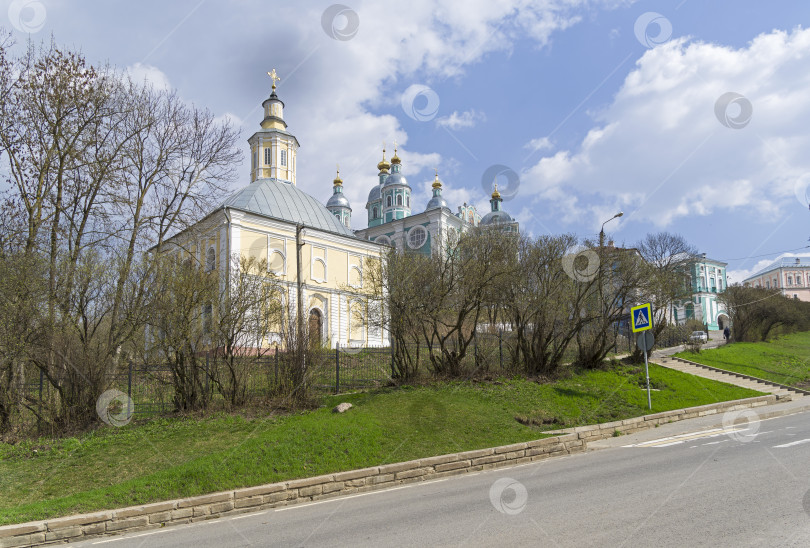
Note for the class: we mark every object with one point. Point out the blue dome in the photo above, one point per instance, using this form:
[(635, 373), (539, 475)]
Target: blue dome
[(338, 200), (396, 179), (374, 195), (437, 202), (497, 217), (284, 201)]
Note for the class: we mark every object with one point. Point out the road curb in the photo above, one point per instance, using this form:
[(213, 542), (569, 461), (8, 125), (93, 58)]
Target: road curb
[(249, 499)]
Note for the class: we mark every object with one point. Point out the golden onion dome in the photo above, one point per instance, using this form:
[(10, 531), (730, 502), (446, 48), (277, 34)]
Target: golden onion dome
[(383, 165), (495, 194), (395, 159), (436, 182), (338, 181)]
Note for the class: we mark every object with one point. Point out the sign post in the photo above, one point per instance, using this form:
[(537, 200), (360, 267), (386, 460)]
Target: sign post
[(641, 321)]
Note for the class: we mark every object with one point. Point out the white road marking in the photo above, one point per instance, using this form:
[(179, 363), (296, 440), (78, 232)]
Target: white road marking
[(791, 444), (249, 515)]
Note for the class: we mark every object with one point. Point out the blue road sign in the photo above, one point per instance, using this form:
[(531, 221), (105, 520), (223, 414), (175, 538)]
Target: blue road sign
[(641, 317)]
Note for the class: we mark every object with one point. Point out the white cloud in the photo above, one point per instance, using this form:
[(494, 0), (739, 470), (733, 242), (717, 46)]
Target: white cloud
[(541, 143), (147, 74), (456, 121), (659, 152)]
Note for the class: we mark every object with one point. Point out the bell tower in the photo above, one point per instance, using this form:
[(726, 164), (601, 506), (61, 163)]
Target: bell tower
[(273, 150)]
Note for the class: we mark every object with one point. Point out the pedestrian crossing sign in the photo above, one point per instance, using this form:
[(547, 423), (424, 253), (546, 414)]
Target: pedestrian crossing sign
[(641, 317)]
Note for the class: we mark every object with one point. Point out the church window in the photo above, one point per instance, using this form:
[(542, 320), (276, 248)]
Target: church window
[(267, 156), (388, 202), (210, 260), (399, 200), (383, 240), (284, 157), (374, 212), (417, 237), (408, 201), (790, 280), (207, 313)]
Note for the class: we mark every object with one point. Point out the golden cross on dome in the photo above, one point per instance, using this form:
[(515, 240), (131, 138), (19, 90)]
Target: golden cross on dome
[(274, 77)]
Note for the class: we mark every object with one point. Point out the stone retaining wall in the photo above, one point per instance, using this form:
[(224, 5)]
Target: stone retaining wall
[(215, 505)]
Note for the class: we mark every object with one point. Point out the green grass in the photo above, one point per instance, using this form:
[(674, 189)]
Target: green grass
[(171, 458), (785, 360)]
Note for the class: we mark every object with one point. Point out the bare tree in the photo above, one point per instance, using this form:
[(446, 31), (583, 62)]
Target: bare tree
[(668, 258), (248, 307)]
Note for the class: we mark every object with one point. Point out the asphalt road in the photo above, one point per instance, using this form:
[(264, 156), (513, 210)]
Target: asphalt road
[(684, 484)]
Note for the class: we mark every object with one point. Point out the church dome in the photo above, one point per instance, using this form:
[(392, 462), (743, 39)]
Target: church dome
[(284, 201), (496, 217), (437, 202), (338, 200), (396, 178), (374, 195)]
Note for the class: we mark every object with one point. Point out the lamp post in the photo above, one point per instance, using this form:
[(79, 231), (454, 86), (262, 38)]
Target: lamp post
[(602, 231)]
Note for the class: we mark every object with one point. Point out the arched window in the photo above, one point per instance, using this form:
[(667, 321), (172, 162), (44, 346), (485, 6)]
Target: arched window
[(267, 156), (284, 157), (374, 212), (408, 201), (399, 200), (210, 260), (388, 202)]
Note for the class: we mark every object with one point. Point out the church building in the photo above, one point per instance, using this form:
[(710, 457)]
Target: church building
[(312, 248), (307, 246)]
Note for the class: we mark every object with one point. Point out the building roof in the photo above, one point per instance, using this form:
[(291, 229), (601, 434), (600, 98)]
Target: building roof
[(284, 201), (784, 262)]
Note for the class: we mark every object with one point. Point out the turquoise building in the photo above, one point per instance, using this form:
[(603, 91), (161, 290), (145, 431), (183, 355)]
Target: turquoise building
[(707, 279)]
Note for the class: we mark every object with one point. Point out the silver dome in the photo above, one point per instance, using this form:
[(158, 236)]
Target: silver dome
[(374, 195), (497, 217), (396, 179), (338, 200), (437, 202)]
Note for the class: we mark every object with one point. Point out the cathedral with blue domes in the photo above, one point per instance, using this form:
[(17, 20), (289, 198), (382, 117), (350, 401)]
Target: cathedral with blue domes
[(391, 218)]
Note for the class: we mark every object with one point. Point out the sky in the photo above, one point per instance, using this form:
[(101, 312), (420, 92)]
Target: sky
[(688, 116)]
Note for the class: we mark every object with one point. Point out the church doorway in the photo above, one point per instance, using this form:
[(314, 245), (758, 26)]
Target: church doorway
[(315, 327), (722, 322)]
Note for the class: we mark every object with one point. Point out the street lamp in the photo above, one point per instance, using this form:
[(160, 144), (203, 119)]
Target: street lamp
[(602, 232)]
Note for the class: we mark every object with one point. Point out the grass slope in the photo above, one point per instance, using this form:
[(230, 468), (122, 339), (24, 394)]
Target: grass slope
[(172, 458), (785, 360)]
